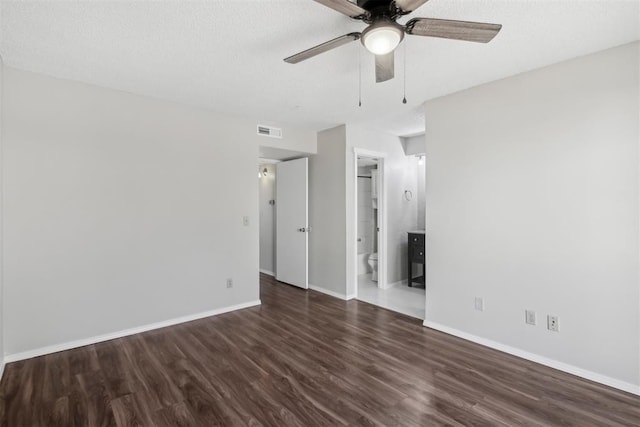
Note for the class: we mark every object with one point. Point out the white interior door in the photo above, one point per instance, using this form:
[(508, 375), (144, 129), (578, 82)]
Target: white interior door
[(292, 223)]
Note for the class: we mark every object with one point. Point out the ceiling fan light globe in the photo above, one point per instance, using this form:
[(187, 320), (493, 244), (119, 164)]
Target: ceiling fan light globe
[(382, 39)]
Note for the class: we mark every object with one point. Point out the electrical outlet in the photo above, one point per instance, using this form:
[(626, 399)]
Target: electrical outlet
[(552, 323), (229, 283), (530, 317), (479, 304), (245, 221)]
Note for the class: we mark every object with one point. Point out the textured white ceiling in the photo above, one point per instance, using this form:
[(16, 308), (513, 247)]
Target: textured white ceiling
[(227, 55)]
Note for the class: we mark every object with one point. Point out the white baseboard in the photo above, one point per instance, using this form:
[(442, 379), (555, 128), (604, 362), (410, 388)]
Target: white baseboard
[(113, 335), (268, 273), (2, 363), (331, 293), (561, 366)]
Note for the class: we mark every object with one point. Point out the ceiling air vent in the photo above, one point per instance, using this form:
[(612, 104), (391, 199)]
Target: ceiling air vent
[(269, 131)]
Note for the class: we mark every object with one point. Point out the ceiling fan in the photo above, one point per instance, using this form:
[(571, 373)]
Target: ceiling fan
[(384, 34)]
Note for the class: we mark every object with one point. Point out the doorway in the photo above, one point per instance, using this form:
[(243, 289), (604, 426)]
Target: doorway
[(283, 226), (370, 221), (397, 179)]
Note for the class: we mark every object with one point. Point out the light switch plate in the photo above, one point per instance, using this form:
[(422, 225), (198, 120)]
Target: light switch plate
[(530, 317)]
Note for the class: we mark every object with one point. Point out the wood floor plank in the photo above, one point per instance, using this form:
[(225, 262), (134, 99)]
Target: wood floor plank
[(177, 415), (205, 401), (301, 359), (93, 389), (57, 413), (128, 412)]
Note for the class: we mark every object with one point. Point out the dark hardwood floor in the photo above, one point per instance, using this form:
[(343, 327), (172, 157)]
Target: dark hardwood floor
[(300, 359)]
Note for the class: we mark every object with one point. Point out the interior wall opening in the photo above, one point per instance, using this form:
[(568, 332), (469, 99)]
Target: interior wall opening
[(390, 231)]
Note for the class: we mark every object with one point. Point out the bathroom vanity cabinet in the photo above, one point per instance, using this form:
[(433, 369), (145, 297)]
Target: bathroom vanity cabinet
[(415, 255)]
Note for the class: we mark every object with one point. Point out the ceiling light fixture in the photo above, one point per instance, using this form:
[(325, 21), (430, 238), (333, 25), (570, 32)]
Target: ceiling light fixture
[(382, 37)]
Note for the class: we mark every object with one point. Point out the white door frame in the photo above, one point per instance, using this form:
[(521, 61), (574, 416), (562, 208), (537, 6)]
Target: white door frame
[(382, 215)]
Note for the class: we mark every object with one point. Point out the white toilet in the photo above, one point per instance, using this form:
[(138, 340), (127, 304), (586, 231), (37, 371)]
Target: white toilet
[(373, 263)]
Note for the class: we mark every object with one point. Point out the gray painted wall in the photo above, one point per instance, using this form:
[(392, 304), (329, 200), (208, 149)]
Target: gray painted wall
[(532, 203), (327, 246), (1, 222), (122, 211)]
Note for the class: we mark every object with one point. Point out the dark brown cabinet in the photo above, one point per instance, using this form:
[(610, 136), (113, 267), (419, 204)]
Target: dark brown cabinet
[(415, 255)]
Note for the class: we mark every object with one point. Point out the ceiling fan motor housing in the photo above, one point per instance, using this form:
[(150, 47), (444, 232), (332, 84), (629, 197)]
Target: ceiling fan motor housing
[(379, 9), (373, 4)]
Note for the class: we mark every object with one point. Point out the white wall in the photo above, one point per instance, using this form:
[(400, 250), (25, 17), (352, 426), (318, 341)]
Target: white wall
[(365, 212), (295, 142), (532, 203), (121, 211), (421, 196), (413, 145), (401, 174), (327, 246), (267, 192)]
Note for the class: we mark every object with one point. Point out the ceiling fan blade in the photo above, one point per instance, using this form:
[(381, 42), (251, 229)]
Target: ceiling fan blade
[(385, 69), (321, 48), (345, 7), (457, 30), (409, 5)]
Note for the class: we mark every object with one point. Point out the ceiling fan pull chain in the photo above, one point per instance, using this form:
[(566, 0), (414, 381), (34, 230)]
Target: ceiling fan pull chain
[(404, 99), (359, 77)]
